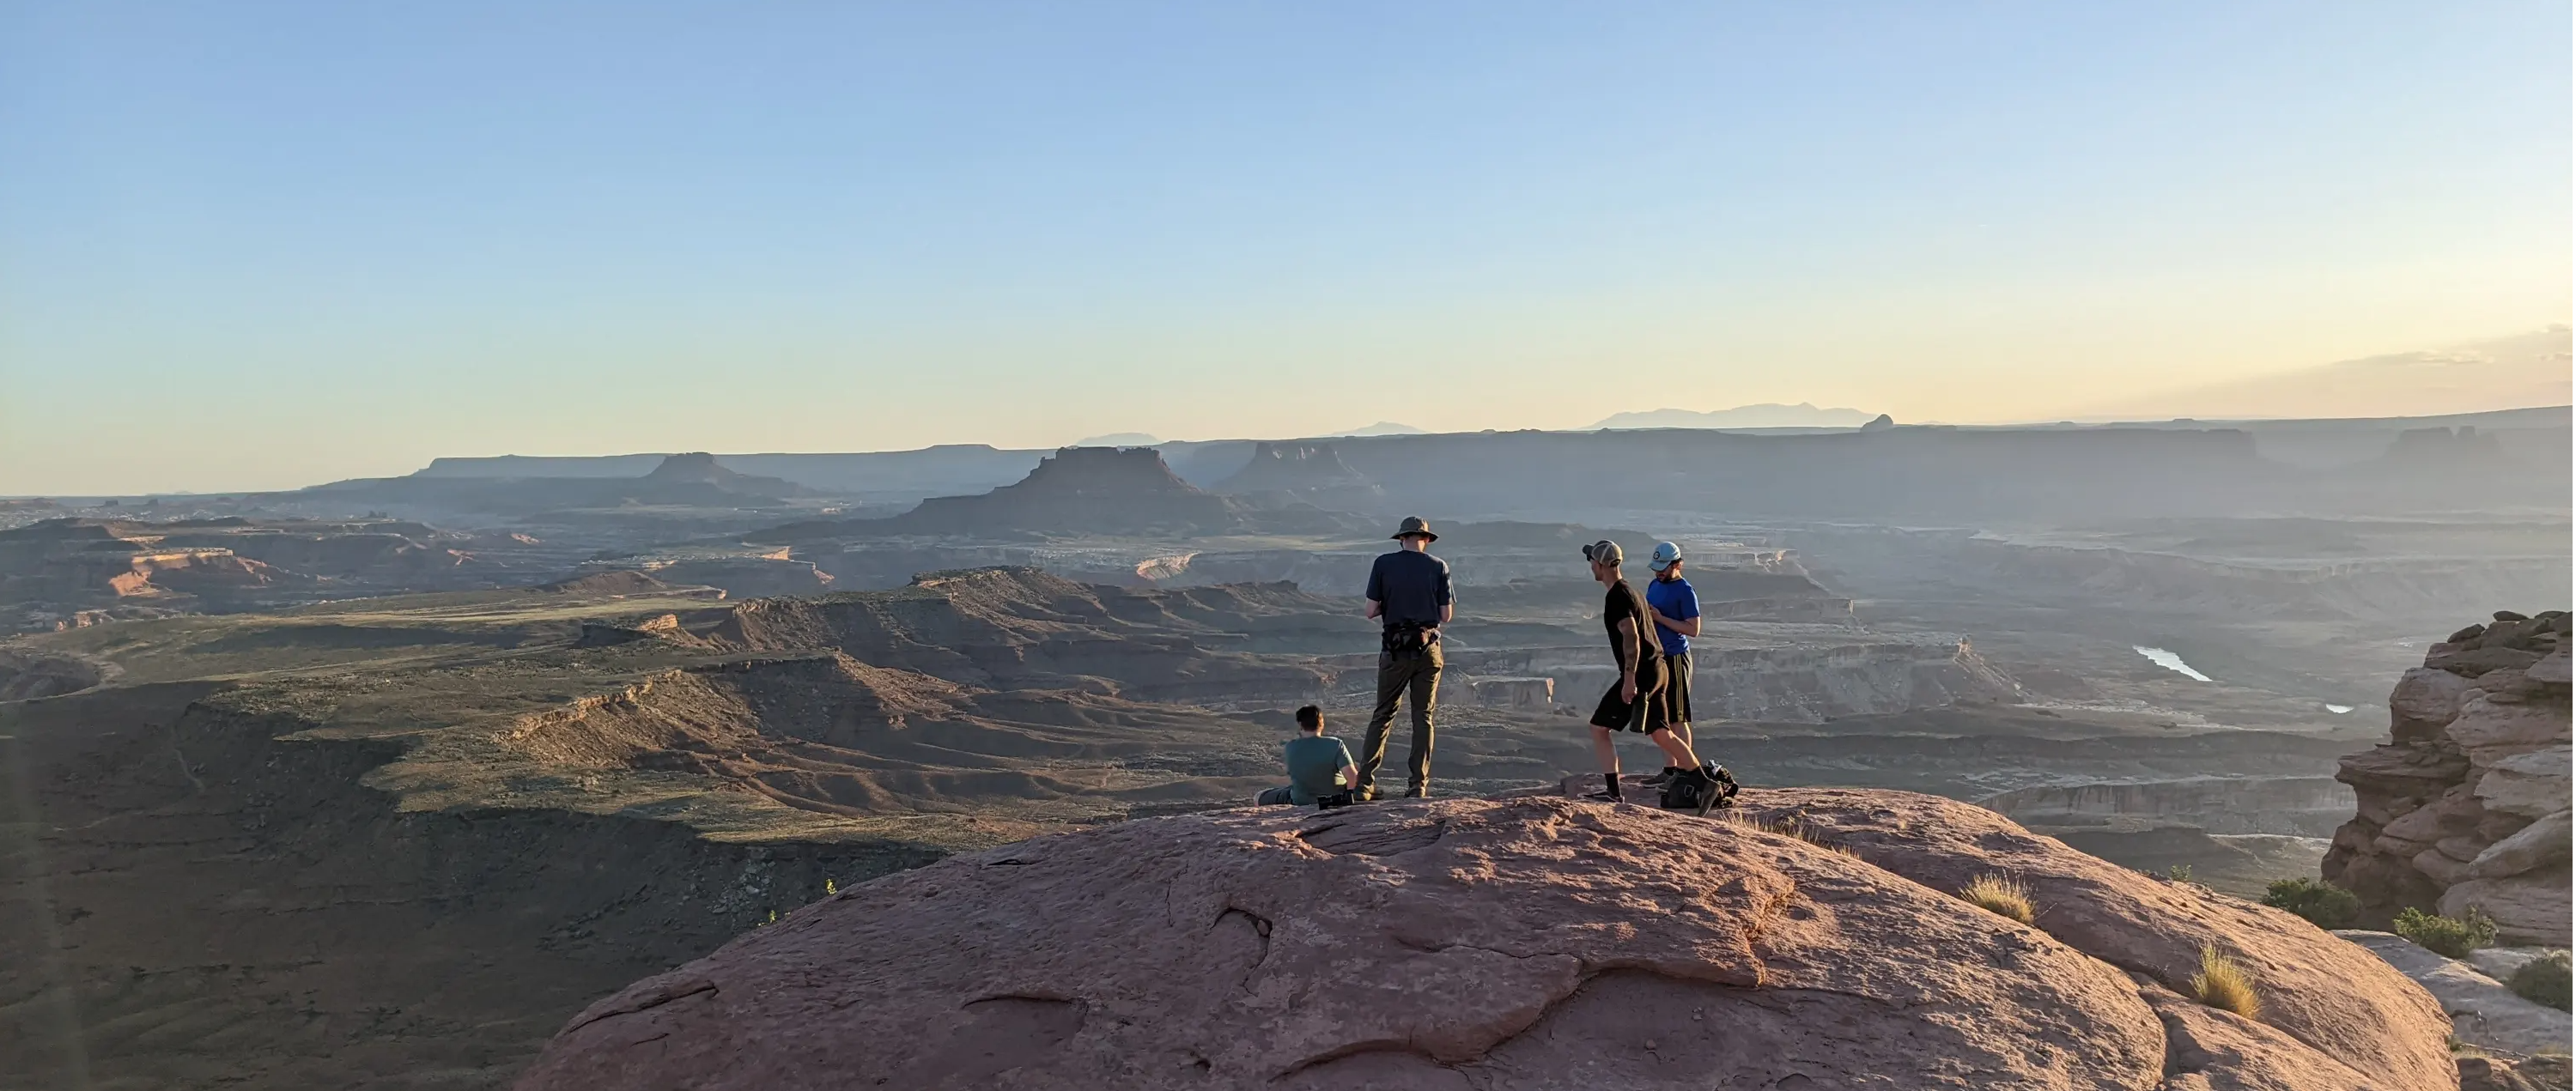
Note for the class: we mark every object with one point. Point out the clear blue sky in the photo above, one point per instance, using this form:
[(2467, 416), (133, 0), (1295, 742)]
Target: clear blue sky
[(260, 245)]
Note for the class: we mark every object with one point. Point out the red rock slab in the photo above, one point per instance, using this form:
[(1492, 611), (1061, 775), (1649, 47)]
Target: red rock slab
[(1496, 944)]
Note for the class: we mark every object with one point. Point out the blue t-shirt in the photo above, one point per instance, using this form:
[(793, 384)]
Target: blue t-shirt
[(1673, 599), (1315, 768), (1411, 587)]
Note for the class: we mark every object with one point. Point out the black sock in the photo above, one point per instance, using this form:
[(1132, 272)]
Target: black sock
[(1612, 779)]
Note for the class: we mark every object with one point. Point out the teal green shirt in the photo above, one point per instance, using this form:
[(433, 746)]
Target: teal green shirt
[(1315, 768)]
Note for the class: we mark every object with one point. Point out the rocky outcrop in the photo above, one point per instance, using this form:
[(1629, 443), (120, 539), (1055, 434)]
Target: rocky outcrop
[(26, 676), (2484, 1013), (1514, 943), (2466, 807)]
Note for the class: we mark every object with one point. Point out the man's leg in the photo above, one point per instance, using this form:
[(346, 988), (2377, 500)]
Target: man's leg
[(1425, 687), (1275, 796), (1609, 716), (1390, 686), (1677, 750), (1677, 694), (1608, 753)]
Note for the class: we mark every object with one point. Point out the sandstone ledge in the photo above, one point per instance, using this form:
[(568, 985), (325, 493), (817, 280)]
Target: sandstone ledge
[(1529, 942)]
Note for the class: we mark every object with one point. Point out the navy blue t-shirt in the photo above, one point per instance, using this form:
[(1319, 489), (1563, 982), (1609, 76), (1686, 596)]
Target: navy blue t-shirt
[(1673, 599), (1411, 586)]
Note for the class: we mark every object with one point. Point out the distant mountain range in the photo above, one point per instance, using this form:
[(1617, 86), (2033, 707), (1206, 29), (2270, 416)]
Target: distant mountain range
[(2530, 369), (1766, 415)]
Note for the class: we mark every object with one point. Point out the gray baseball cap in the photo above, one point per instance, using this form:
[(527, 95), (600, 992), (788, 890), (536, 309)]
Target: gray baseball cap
[(1604, 551), (1665, 554)]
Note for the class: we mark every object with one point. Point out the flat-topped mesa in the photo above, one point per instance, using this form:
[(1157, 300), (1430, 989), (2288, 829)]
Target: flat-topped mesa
[(1293, 466), (1112, 490), (2467, 806), (1312, 473)]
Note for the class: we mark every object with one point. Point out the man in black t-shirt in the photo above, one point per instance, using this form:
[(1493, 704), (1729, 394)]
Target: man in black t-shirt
[(1408, 590), (1633, 702)]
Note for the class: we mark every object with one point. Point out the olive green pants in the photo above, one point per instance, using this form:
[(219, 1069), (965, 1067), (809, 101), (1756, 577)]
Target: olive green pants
[(1398, 675)]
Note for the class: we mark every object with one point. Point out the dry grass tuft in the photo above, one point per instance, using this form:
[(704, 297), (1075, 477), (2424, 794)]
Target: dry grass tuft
[(2224, 985), (1790, 826), (2000, 896)]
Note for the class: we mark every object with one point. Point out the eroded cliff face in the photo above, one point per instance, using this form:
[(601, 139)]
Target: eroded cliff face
[(1809, 675), (2303, 806), (208, 898), (2467, 806)]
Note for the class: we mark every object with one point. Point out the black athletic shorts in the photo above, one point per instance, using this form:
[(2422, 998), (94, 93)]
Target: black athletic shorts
[(1677, 680), (1646, 713)]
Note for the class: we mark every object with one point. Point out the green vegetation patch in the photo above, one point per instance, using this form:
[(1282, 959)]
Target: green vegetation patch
[(2318, 902), (2543, 980), (2447, 936)]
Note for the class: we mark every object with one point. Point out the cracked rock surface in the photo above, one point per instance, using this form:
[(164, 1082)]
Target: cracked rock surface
[(1493, 944)]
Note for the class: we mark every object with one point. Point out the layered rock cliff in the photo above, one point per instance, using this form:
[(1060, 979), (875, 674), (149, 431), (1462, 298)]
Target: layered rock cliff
[(2466, 806)]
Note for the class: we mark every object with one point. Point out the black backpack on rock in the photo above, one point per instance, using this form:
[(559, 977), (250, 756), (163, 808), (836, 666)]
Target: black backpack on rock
[(1683, 791)]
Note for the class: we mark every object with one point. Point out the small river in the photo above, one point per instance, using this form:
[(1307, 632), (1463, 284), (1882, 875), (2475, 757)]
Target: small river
[(2174, 663), (2171, 662)]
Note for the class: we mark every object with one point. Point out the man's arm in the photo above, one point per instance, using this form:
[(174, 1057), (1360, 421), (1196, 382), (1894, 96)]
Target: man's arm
[(1375, 608), (1686, 626), (1448, 605), (1447, 611), (1376, 593), (1628, 656)]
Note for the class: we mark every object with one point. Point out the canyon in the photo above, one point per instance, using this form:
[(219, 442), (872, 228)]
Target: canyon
[(570, 724)]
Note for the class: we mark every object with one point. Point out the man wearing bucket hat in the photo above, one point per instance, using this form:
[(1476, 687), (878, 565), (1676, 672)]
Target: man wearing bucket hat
[(1408, 591), (1635, 701)]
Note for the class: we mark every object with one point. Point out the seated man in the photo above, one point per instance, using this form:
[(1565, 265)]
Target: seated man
[(1319, 766)]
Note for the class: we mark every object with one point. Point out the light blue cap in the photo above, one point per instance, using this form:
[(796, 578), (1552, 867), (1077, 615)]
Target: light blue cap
[(1665, 554)]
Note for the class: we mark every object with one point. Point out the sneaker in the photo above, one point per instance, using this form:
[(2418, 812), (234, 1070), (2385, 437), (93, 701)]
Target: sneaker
[(1418, 791), (1604, 796), (1364, 795), (1663, 778)]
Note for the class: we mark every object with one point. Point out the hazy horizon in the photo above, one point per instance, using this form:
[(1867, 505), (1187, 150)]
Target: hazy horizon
[(265, 247)]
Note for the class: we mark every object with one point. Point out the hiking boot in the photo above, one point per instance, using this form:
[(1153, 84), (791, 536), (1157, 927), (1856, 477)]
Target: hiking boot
[(1663, 778), (1418, 791), (1364, 795), (1605, 797)]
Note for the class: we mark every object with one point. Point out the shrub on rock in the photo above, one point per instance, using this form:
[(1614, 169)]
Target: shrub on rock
[(2543, 980), (2321, 903), (2454, 937)]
